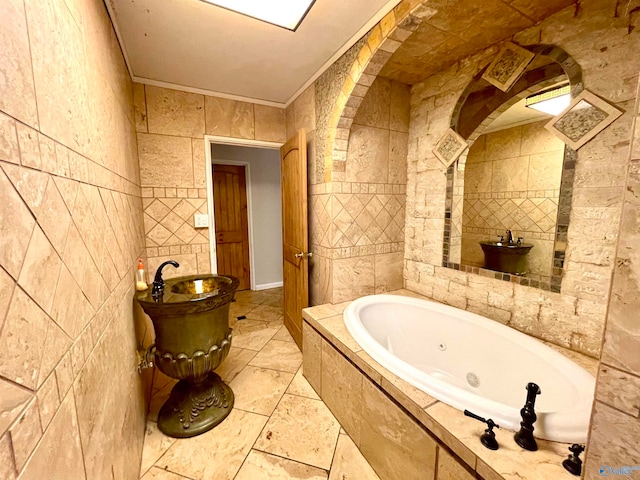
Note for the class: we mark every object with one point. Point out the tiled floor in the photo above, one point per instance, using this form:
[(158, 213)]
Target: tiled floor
[(278, 429)]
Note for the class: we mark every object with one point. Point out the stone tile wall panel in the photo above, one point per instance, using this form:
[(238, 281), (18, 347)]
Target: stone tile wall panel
[(71, 232)]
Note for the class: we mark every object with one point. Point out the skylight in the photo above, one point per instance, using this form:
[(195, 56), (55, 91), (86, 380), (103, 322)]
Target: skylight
[(284, 13)]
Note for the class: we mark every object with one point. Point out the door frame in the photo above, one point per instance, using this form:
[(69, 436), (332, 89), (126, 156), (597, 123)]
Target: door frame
[(239, 142)]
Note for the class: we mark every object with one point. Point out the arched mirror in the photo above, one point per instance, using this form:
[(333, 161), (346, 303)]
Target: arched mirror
[(509, 196)]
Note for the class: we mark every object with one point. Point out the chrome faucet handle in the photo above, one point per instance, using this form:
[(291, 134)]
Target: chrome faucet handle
[(501, 237), (519, 242)]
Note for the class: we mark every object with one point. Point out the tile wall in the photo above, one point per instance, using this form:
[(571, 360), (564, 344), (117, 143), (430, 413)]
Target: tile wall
[(512, 181), (70, 235), (171, 125), (357, 225), (615, 427), (575, 317)]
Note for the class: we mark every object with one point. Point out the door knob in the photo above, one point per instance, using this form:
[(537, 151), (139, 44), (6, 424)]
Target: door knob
[(301, 254)]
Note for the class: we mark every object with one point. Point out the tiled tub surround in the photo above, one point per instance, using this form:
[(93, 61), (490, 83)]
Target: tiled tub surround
[(512, 181), (403, 432)]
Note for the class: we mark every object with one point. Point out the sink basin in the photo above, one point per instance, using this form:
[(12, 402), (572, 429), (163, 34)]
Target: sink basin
[(200, 285), (191, 323), (506, 257), (189, 294)]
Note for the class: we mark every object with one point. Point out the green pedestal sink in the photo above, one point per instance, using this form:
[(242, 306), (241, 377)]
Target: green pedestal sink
[(191, 322)]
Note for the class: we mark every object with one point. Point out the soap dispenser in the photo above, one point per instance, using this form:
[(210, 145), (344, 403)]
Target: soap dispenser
[(141, 278)]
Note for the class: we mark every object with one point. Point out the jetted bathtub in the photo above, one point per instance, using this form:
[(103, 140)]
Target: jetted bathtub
[(471, 362)]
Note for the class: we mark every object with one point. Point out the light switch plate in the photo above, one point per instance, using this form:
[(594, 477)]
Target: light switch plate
[(201, 220)]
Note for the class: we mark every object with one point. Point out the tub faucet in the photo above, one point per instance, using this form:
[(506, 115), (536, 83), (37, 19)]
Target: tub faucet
[(158, 282), (488, 438), (524, 437), (573, 464), (509, 237)]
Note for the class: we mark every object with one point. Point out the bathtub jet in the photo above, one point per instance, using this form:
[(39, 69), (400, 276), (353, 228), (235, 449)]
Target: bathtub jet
[(438, 349)]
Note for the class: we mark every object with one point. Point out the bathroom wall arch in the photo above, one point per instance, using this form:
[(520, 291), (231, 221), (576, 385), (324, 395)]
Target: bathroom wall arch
[(381, 42), (478, 106)]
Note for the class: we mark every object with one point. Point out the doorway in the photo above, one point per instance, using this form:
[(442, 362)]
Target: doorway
[(232, 224), (261, 163)]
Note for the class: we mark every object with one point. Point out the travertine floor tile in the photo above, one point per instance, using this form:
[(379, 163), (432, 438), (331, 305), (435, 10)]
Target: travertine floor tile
[(249, 325), (266, 313), (301, 429), (279, 355), (263, 466), (301, 387), (259, 390), (240, 308), (158, 399), (156, 444), (219, 453), (234, 363), (348, 462), (254, 340), (284, 335), (159, 474)]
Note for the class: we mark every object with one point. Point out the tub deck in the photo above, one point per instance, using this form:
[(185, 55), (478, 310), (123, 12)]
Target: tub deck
[(325, 335)]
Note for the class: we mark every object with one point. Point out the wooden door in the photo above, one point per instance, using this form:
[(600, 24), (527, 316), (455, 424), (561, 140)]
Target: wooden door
[(231, 222), (293, 162)]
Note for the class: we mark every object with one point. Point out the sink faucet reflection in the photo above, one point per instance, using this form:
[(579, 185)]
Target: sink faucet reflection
[(509, 237)]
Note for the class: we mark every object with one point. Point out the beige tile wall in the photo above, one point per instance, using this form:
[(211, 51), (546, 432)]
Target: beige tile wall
[(171, 126), (357, 225), (512, 181), (575, 317), (615, 428), (71, 402)]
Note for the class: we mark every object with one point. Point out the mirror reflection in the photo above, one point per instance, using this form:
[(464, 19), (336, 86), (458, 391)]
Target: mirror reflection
[(511, 189), (507, 193)]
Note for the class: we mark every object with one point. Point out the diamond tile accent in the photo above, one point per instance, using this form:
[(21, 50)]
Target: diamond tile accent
[(524, 215), (184, 209), (157, 210), (159, 235), (172, 222)]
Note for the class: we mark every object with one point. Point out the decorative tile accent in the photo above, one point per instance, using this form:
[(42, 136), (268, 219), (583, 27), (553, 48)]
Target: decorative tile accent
[(586, 116), (509, 64), (450, 147)]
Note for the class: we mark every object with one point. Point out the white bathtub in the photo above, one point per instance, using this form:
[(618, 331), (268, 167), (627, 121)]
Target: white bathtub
[(471, 362)]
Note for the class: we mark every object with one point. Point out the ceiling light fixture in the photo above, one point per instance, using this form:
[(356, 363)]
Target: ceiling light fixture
[(552, 101), (283, 13)]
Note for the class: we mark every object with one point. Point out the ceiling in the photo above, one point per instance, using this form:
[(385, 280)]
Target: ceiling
[(193, 44), (460, 28), (517, 114)]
